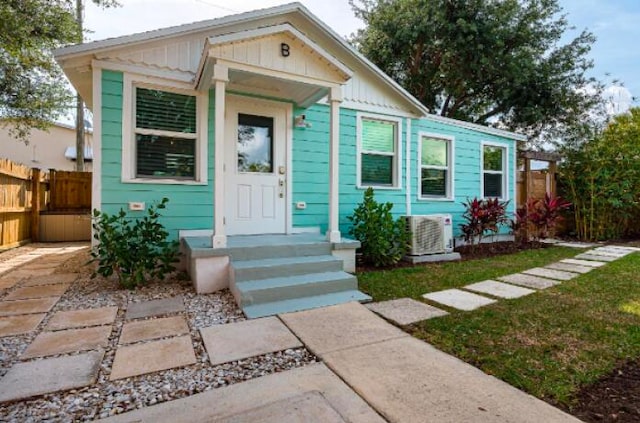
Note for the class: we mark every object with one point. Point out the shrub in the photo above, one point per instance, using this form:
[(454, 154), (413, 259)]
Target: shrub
[(544, 215), (134, 249), (482, 217), (384, 240)]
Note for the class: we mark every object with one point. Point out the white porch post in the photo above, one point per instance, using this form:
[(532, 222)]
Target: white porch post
[(335, 98), (220, 77)]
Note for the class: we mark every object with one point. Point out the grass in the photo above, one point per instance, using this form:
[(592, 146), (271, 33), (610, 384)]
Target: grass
[(414, 281), (549, 343)]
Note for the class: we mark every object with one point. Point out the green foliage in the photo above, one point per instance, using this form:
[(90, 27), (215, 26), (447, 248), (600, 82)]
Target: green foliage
[(384, 240), (601, 177), (482, 217), (135, 250), (538, 218), (479, 60), (33, 91)]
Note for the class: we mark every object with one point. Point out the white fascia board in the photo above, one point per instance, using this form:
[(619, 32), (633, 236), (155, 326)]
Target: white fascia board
[(477, 127)]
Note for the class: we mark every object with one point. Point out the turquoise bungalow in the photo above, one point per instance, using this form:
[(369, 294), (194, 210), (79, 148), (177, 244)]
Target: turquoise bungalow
[(264, 129)]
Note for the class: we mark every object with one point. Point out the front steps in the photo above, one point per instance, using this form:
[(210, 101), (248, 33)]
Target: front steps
[(273, 279)]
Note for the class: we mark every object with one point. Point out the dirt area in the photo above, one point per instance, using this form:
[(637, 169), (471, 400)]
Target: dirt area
[(614, 398), (473, 252)]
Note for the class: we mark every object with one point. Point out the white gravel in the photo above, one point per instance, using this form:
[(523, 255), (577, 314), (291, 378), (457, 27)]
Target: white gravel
[(106, 397)]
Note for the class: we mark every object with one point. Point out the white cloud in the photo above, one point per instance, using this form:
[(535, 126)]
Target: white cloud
[(618, 100)]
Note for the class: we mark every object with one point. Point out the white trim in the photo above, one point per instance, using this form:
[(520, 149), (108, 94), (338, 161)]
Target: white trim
[(181, 79), (451, 146), (183, 233), (96, 179), (407, 177), (397, 177), (305, 230), (505, 169), (131, 81), (476, 127)]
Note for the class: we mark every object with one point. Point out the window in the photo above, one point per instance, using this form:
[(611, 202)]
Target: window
[(165, 134), (435, 167), (255, 144), (493, 171), (378, 152)]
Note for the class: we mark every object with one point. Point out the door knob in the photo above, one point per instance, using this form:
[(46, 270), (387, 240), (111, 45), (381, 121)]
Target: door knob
[(281, 170)]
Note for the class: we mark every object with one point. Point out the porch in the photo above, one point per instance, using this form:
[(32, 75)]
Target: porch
[(273, 274)]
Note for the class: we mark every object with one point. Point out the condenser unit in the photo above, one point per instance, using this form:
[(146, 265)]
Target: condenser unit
[(430, 234)]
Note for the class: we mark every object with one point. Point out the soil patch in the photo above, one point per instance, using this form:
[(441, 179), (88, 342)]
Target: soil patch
[(613, 398)]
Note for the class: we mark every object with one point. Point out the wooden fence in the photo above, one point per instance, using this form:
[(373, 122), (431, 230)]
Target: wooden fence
[(20, 207), (536, 183)]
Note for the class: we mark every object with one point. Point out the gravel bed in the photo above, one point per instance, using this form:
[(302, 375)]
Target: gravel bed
[(106, 398)]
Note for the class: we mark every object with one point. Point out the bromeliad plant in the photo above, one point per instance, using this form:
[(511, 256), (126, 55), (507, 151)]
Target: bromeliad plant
[(136, 250), (482, 217), (384, 241)]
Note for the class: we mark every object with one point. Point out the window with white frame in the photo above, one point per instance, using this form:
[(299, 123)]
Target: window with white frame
[(435, 167), (494, 171), (378, 152), (165, 133)]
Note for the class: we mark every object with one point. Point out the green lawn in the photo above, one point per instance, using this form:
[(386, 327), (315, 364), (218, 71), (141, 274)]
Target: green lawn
[(549, 343)]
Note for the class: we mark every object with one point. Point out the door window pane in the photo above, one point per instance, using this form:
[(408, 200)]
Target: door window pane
[(255, 144), (377, 170)]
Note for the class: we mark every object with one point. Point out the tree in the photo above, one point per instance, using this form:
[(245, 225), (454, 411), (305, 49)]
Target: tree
[(601, 177), (33, 92), (498, 62)]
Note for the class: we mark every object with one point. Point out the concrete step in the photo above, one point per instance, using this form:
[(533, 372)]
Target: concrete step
[(247, 270), (290, 287), (260, 252), (306, 303)]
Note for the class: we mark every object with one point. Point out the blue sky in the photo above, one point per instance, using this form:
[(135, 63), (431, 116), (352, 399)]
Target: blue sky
[(616, 24)]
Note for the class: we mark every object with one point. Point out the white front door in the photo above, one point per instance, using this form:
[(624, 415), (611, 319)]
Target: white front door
[(255, 166)]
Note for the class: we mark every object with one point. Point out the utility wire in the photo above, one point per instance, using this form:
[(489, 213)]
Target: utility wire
[(208, 3)]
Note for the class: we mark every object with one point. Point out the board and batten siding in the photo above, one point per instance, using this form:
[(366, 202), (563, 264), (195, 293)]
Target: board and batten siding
[(467, 169), (311, 170), (189, 207)]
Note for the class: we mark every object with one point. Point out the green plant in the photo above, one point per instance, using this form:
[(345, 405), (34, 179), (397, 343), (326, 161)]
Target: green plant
[(134, 249), (482, 217), (538, 218), (384, 240)]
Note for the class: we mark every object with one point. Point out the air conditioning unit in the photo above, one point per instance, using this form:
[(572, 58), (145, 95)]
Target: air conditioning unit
[(430, 234)]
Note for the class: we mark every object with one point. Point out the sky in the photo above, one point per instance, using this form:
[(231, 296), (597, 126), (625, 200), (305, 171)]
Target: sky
[(613, 22)]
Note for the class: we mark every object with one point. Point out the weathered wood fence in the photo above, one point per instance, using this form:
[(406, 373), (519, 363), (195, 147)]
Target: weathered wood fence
[(536, 183), (26, 192)]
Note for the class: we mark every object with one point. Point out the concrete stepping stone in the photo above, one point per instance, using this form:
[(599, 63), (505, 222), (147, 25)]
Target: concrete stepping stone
[(8, 281), (37, 292), (57, 278), (17, 325), (25, 380), (144, 330), (68, 341), (583, 245), (155, 308), (310, 407), (154, 356), (242, 399), (237, 341), (82, 318), (528, 281), (35, 305), (567, 267), (587, 263), (461, 300), (609, 253), (499, 289), (595, 257), (339, 327), (405, 311), (550, 273)]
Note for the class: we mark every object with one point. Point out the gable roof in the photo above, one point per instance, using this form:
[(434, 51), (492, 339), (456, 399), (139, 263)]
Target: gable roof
[(78, 51)]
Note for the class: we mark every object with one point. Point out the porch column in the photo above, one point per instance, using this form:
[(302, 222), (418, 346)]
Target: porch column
[(335, 98), (220, 77)]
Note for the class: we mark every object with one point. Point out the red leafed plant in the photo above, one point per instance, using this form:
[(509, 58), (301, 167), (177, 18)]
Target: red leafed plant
[(482, 217), (538, 217)]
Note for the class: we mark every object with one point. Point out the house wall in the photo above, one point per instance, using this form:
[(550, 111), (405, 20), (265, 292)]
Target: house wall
[(45, 149), (190, 206)]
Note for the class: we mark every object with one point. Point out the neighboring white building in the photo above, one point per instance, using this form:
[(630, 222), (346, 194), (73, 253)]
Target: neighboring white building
[(52, 149)]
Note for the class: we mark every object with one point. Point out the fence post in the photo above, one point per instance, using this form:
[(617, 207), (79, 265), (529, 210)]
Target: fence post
[(35, 205)]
